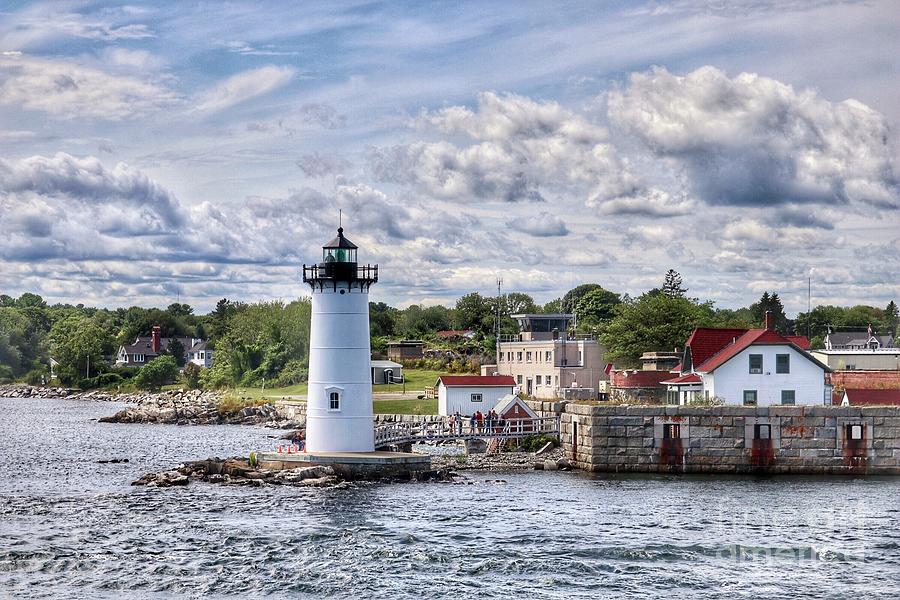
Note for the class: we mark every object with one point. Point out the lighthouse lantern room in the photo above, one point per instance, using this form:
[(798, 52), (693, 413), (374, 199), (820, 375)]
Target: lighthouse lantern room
[(339, 402)]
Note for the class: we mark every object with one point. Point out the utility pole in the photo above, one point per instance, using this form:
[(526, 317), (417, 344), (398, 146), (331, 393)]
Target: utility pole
[(808, 303), (497, 324)]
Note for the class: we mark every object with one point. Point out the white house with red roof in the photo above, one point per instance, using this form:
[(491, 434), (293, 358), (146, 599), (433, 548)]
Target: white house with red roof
[(468, 394), (751, 367)]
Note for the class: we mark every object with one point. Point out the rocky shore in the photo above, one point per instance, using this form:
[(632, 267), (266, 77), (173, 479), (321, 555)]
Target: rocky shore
[(554, 460), (28, 391), (239, 471), (201, 408), (173, 407)]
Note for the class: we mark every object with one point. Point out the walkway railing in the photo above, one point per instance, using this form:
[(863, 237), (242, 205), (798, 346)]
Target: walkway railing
[(444, 430)]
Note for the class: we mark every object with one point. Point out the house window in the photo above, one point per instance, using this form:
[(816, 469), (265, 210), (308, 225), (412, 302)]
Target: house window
[(519, 379), (671, 397), (519, 356), (334, 401), (547, 356), (756, 363), (851, 367), (762, 431), (538, 380), (855, 432), (782, 363), (788, 397), (516, 409), (528, 357), (475, 397), (671, 431), (749, 397), (580, 358)]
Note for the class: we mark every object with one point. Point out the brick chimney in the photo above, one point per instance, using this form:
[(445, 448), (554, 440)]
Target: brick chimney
[(770, 320), (155, 342)]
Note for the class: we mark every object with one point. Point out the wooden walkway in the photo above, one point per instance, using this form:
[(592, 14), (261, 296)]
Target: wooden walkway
[(439, 431)]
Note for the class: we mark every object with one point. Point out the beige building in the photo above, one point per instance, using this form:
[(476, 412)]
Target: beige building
[(881, 359), (546, 362)]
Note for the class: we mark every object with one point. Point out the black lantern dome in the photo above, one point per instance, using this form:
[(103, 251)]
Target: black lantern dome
[(339, 266)]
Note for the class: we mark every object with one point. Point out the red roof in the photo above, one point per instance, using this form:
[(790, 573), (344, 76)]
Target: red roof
[(449, 333), (706, 341), (753, 337), (637, 379), (477, 380), (800, 340), (684, 379), (858, 397)]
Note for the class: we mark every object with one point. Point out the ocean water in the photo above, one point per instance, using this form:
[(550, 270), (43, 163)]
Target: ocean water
[(73, 528)]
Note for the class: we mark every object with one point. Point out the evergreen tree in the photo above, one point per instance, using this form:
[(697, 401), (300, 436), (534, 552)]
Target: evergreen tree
[(891, 317), (672, 286)]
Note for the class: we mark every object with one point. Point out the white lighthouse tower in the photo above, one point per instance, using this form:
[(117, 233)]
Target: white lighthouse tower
[(339, 403)]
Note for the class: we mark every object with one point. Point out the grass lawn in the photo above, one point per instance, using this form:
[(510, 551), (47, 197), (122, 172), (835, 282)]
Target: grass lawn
[(406, 407), (251, 392), (416, 381)]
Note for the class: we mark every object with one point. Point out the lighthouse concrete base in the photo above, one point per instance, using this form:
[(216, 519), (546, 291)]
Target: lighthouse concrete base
[(353, 465)]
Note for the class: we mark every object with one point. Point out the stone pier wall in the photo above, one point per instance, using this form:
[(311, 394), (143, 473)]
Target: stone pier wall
[(732, 439)]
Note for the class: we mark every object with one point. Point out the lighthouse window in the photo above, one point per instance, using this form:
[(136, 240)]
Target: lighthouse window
[(334, 401)]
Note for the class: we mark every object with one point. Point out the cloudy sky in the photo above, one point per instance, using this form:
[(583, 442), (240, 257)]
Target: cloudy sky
[(157, 151)]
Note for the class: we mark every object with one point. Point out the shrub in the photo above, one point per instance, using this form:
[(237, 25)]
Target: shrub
[(294, 372), (36, 377), (191, 374), (533, 443), (108, 379), (157, 373)]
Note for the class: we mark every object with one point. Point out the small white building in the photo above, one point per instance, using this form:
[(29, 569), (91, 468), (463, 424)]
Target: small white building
[(468, 394), (386, 371), (201, 354), (759, 368)]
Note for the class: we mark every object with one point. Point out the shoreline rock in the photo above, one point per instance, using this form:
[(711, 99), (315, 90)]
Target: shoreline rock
[(238, 471), (172, 407), (198, 407)]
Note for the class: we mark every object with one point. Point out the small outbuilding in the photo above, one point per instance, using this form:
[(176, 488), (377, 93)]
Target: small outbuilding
[(513, 407), (468, 394), (386, 371)]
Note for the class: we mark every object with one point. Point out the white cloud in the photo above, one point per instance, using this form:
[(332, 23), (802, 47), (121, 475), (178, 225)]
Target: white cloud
[(519, 150), (756, 141), (244, 86), (542, 224), (68, 90)]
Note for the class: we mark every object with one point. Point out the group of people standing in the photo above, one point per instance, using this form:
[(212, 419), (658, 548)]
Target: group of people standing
[(479, 422)]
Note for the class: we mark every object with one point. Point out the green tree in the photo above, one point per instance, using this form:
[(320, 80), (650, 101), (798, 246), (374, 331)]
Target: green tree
[(191, 374), (652, 323), (573, 296), (383, 319), (176, 350), (78, 344), (177, 309), (595, 308), (891, 317), (552, 307), (474, 311), (158, 372), (672, 286), (27, 300), (772, 303), (515, 303)]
